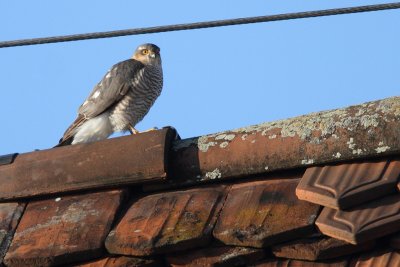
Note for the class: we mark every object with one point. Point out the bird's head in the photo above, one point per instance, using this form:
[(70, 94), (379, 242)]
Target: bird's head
[(148, 54)]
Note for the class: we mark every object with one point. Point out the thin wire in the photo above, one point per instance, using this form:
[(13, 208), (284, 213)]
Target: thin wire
[(200, 25)]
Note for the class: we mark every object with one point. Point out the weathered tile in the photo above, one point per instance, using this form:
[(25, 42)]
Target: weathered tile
[(262, 213), (349, 184), (299, 263), (117, 161), (386, 258), (365, 222), (64, 229), (10, 214), (122, 262), (313, 249), (316, 138), (167, 222), (217, 256)]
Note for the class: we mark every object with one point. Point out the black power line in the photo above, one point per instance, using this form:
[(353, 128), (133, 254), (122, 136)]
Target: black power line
[(199, 25)]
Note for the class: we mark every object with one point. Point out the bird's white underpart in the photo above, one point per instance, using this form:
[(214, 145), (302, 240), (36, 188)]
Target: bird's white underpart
[(95, 129)]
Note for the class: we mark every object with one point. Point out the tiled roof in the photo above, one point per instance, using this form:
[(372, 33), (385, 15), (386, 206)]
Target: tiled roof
[(316, 190)]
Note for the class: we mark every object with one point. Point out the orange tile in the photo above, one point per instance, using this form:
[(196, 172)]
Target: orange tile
[(319, 248), (63, 230), (117, 161), (10, 214), (262, 213), (166, 222)]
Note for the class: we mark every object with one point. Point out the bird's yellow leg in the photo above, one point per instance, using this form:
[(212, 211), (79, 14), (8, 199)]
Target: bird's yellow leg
[(133, 130)]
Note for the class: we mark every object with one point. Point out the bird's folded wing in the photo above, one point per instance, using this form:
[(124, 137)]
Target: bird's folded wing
[(114, 85)]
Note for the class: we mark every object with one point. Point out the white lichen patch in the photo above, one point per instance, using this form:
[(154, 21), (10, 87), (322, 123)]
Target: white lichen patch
[(315, 128), (360, 112), (220, 136), (389, 106), (227, 137), (328, 124), (203, 144), (337, 155), (307, 161), (214, 174), (370, 120), (382, 149), (351, 143), (358, 151), (223, 144)]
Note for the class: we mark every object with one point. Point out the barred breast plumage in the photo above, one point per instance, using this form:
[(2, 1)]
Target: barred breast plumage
[(145, 89)]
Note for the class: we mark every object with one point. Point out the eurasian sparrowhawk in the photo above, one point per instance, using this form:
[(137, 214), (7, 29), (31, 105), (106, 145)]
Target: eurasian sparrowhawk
[(120, 100)]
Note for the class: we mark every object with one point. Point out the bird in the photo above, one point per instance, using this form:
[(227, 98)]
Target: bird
[(120, 100)]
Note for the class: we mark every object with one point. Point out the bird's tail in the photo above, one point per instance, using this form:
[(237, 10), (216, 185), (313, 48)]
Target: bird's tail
[(65, 142)]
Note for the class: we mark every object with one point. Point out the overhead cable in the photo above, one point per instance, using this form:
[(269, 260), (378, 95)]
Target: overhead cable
[(200, 25)]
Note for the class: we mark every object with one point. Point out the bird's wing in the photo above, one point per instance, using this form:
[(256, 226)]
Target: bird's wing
[(114, 85)]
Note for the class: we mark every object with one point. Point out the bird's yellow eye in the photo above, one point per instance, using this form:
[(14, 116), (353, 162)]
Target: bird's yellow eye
[(145, 51)]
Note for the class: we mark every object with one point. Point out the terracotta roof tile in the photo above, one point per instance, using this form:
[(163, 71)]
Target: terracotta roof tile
[(118, 161), (10, 213), (167, 222), (382, 258), (63, 230), (318, 248), (243, 219), (217, 256), (122, 262), (330, 136), (364, 222), (298, 263), (348, 184), (261, 213)]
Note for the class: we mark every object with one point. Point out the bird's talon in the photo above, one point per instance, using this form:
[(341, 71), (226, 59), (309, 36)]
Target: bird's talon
[(151, 129)]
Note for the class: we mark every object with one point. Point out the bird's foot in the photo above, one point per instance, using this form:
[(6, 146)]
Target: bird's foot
[(133, 130), (151, 129)]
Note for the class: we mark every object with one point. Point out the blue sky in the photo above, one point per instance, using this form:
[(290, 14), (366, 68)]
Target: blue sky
[(215, 79)]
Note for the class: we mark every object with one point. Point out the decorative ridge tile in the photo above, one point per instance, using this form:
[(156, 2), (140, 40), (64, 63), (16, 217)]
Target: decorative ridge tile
[(365, 222), (345, 185)]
